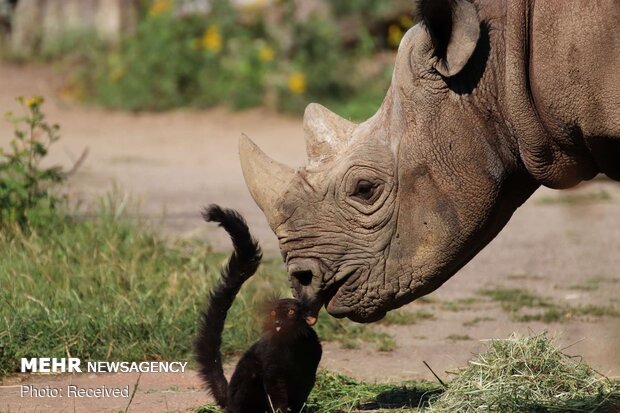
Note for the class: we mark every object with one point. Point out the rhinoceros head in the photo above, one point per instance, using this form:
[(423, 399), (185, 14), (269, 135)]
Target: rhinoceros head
[(387, 210)]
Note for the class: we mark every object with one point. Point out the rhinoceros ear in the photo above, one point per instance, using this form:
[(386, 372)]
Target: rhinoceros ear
[(327, 134), (454, 28)]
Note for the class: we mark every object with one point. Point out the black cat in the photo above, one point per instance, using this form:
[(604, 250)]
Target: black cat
[(278, 372)]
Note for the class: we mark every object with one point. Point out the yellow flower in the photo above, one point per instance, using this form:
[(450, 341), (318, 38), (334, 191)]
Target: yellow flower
[(395, 35), (266, 53), (34, 101), (160, 7), (212, 39), (297, 83), (255, 4), (406, 21)]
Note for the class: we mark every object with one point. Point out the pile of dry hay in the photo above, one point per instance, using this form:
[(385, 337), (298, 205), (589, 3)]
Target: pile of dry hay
[(528, 374)]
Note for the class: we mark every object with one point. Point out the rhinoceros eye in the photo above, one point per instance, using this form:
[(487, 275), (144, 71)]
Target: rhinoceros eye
[(364, 190)]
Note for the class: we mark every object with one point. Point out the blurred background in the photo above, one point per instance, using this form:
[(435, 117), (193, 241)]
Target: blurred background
[(164, 54)]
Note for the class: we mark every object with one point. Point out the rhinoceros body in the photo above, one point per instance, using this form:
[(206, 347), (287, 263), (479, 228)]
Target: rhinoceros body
[(488, 101)]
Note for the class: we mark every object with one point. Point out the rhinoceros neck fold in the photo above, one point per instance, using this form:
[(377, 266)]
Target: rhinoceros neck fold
[(554, 161)]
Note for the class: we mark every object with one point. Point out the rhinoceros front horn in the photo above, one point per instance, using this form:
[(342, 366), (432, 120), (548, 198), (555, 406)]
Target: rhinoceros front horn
[(265, 178)]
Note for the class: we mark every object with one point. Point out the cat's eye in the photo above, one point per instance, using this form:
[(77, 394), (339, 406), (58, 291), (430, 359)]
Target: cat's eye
[(273, 313), (291, 311)]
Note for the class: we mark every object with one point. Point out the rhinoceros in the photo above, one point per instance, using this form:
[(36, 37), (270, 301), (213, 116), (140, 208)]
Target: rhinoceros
[(489, 100)]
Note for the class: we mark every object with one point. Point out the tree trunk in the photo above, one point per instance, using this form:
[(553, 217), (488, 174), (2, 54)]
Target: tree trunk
[(39, 22)]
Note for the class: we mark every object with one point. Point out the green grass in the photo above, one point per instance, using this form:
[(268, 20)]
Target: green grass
[(596, 310), (576, 198), (461, 304), (514, 299), (386, 343), (517, 375), (336, 393), (351, 335), (593, 283), (459, 337), (403, 317), (521, 277), (524, 306), (107, 289), (477, 320)]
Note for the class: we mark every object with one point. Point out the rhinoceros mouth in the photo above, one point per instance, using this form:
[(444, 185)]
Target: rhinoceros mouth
[(307, 282), (340, 304), (330, 295)]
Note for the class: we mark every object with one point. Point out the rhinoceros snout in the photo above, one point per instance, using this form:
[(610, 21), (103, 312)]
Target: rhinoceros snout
[(302, 278), (302, 272), (305, 276)]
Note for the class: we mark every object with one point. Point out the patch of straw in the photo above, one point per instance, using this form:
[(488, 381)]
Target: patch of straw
[(527, 374)]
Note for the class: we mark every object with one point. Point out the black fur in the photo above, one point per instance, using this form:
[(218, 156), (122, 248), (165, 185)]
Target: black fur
[(437, 17), (242, 265), (278, 371)]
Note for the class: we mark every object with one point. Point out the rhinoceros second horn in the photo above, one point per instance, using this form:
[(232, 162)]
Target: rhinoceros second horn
[(326, 133)]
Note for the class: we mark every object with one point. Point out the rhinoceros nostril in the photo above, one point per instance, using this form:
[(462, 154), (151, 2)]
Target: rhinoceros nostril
[(303, 276)]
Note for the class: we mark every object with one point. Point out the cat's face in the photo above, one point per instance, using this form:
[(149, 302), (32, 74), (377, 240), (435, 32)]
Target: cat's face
[(285, 316)]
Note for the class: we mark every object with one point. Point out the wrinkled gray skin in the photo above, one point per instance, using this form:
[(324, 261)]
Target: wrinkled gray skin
[(488, 101)]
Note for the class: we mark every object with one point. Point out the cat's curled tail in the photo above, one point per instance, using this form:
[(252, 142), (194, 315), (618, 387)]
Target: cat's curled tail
[(241, 265)]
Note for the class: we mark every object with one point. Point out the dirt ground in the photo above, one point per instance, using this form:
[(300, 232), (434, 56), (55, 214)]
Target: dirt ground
[(561, 245)]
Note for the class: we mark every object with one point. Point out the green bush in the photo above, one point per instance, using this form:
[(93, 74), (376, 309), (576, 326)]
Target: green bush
[(172, 62), (238, 57), (25, 185)]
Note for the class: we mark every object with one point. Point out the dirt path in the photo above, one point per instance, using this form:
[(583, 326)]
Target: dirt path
[(561, 246), (171, 163)]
